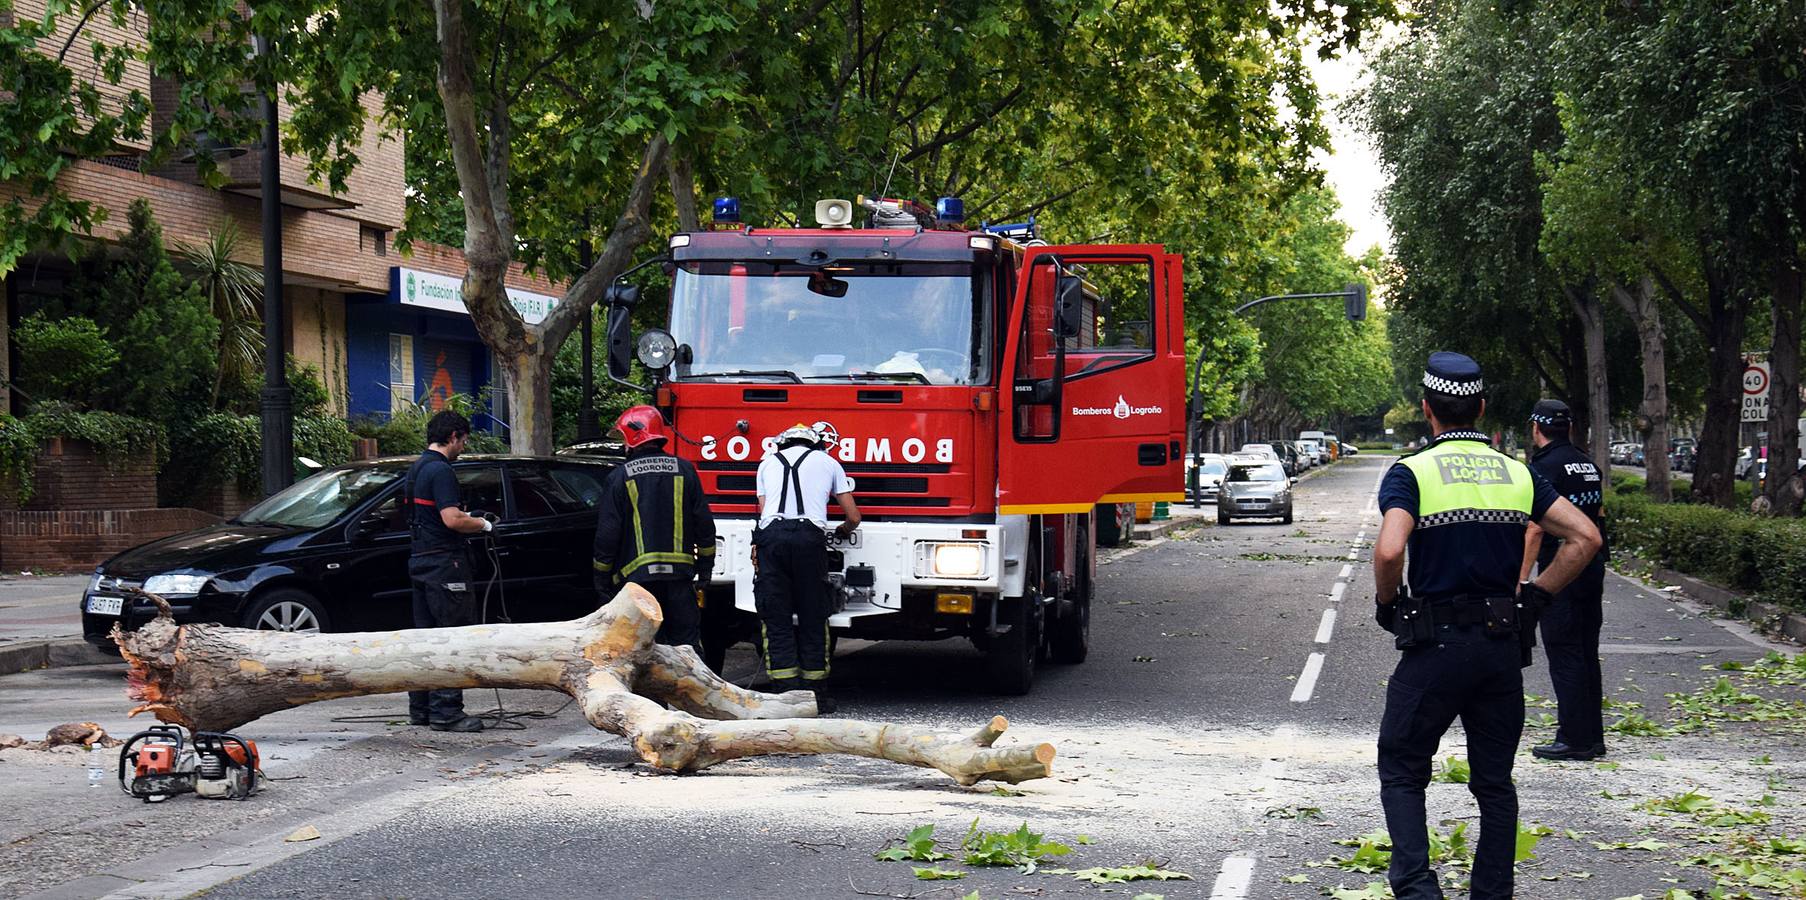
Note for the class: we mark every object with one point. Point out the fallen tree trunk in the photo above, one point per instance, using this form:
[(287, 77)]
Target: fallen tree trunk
[(215, 678)]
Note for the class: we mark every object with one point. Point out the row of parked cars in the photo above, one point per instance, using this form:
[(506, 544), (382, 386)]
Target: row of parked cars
[(1256, 480), (1681, 454)]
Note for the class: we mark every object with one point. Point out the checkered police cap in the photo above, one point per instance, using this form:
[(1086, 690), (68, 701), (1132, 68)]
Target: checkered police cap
[(1551, 412), (1453, 374)]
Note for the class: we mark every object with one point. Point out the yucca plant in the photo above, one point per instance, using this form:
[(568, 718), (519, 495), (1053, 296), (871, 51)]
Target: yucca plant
[(236, 292)]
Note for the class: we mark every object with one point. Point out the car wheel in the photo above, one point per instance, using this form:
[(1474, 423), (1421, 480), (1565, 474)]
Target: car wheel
[(287, 610), (1010, 658)]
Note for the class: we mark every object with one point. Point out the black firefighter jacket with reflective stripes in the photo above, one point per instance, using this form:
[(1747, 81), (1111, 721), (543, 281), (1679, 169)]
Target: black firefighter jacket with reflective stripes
[(653, 522)]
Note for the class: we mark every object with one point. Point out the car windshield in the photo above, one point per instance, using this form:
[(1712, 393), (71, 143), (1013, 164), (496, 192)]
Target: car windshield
[(319, 499), (912, 322), (1257, 473), (1212, 467)]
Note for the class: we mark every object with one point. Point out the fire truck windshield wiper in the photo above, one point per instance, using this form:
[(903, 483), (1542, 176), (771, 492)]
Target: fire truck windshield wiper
[(872, 376), (785, 374)]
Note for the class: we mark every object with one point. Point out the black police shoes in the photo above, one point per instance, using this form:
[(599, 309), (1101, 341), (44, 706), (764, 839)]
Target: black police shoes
[(466, 725), (1562, 752)]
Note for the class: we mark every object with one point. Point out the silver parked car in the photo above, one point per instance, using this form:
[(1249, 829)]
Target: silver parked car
[(1255, 490)]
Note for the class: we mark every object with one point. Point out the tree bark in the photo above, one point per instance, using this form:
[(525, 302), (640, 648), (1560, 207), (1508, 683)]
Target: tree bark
[(1784, 386), (215, 678), (1722, 324), (1646, 312), (1584, 298)]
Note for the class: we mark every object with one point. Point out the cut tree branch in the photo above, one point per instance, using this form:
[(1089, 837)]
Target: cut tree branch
[(215, 678)]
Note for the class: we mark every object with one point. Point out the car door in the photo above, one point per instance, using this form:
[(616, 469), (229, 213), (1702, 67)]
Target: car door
[(1094, 374), (547, 537), (373, 576)]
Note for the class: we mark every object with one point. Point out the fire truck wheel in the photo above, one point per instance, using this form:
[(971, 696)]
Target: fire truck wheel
[(1069, 636), (1010, 659)]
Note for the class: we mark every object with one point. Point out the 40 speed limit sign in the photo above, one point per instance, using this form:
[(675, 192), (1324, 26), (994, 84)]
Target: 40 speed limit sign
[(1755, 392)]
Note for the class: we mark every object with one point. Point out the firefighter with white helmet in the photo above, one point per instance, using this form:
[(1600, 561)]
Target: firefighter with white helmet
[(790, 547), (829, 436), (654, 528)]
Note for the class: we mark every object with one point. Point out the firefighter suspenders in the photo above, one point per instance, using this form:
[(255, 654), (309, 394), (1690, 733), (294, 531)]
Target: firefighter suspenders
[(793, 475)]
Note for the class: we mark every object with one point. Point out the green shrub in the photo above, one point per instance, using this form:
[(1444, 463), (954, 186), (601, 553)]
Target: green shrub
[(223, 448), (404, 433), (18, 450), (65, 359), (1730, 547)]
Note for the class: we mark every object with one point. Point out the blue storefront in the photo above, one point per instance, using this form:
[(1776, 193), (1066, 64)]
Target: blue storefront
[(417, 345)]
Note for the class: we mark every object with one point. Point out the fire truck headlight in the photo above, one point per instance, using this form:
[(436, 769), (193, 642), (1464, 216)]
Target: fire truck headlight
[(657, 349), (951, 560)]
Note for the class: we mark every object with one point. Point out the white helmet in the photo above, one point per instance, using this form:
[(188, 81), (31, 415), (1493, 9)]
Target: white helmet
[(826, 431), (799, 432)]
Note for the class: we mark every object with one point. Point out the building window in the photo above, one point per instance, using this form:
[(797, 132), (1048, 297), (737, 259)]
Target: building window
[(375, 238), (401, 372)]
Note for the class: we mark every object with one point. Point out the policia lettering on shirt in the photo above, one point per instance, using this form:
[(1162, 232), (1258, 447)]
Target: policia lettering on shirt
[(654, 528), (1460, 507), (439, 567)]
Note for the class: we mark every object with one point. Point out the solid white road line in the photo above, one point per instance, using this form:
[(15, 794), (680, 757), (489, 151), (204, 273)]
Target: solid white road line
[(1307, 680), (1326, 626), (1347, 570), (1233, 879), (1335, 593)]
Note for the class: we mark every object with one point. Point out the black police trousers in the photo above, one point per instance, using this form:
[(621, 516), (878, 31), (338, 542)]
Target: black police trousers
[(790, 591), (1571, 639), (1463, 675), (676, 598), (444, 597)]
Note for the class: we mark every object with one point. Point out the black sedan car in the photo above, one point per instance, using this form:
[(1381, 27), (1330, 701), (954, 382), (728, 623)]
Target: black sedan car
[(330, 552)]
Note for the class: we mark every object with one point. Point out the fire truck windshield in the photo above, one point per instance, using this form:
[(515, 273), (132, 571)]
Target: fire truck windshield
[(910, 321)]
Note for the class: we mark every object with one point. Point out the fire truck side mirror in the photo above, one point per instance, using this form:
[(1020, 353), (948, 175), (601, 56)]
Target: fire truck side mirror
[(621, 299), (1069, 304)]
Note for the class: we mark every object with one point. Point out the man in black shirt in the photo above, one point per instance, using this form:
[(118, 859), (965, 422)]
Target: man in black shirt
[(1571, 624), (439, 565)]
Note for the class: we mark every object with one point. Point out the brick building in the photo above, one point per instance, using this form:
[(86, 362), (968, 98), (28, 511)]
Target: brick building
[(382, 329), (376, 324)]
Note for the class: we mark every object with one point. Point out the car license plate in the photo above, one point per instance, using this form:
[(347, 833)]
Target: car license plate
[(851, 540), (106, 606)]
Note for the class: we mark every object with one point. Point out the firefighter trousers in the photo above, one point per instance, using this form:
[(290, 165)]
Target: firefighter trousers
[(790, 591), (444, 597)]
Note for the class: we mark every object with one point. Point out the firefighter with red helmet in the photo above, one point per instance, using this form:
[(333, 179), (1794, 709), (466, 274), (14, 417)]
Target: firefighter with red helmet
[(653, 527)]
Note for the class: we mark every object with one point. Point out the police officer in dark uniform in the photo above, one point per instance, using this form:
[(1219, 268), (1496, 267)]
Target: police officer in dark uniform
[(654, 528), (1571, 624), (439, 565), (1460, 507)]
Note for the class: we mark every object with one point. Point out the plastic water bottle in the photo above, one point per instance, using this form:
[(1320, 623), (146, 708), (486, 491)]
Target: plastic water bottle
[(97, 765)]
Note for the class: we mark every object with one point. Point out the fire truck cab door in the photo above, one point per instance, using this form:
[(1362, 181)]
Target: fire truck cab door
[(1094, 373)]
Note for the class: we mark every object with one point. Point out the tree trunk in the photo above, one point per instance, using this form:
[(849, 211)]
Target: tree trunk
[(1584, 298), (1723, 326), (1644, 310), (528, 376), (215, 678), (1784, 387)]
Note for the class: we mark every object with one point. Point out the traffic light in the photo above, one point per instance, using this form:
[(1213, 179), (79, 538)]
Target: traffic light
[(1356, 296)]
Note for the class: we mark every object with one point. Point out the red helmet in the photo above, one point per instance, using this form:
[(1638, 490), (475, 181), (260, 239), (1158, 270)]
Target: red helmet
[(639, 424)]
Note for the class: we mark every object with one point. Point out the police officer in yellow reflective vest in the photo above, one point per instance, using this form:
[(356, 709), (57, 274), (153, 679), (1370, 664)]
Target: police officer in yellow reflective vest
[(1465, 625), (653, 528)]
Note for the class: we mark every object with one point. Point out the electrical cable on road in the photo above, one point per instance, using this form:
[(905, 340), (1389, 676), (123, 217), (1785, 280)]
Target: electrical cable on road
[(499, 718)]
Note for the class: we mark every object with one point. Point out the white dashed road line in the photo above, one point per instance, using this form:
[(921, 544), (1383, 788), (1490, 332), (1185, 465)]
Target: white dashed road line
[(1307, 680), (1326, 626), (1347, 570), (1233, 879)]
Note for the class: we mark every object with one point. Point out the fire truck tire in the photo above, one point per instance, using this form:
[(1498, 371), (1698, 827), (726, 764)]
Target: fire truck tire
[(1010, 659), (1069, 636)]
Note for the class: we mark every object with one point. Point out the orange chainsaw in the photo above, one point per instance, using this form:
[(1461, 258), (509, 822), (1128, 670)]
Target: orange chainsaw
[(159, 763)]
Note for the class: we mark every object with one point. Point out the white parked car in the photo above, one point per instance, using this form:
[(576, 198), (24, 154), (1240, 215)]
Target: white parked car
[(1265, 451), (1211, 469), (1314, 448)]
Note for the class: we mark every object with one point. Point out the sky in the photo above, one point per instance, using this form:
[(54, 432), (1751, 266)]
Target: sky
[(1351, 168)]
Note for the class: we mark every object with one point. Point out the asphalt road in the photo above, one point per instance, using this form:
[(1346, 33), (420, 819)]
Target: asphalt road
[(1223, 727)]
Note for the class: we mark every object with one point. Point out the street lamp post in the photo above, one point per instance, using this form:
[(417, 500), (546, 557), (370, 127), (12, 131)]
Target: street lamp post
[(588, 429), (277, 415), (1355, 295)]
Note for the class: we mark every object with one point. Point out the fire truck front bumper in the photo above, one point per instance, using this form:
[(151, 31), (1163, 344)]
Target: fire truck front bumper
[(921, 570)]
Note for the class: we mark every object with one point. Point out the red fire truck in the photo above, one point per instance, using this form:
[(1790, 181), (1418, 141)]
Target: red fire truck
[(988, 391)]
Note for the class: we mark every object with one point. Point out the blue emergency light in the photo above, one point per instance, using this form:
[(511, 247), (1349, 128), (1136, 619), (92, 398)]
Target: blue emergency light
[(950, 210), (727, 209), (1015, 231)]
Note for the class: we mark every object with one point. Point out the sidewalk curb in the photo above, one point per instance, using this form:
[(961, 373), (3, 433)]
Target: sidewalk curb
[(27, 656), (1766, 617)]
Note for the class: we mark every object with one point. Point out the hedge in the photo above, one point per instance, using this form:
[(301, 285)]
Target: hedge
[(1736, 549)]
